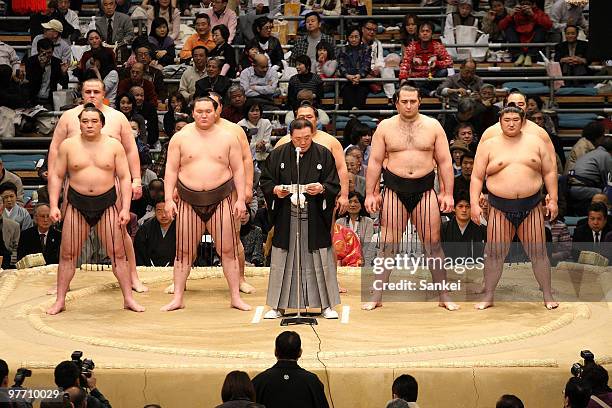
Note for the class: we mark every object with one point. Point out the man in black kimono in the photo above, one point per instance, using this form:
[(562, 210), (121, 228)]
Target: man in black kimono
[(286, 384), (319, 185), (155, 242), (461, 238)]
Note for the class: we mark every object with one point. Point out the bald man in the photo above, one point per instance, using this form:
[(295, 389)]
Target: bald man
[(116, 126)]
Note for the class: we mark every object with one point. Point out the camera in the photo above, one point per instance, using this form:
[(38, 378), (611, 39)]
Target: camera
[(20, 376), (588, 359), (85, 365)]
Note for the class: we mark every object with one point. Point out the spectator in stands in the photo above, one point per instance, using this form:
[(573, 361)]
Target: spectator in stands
[(139, 129), (238, 391), (361, 136), (137, 79), (486, 109), (94, 39), (308, 95), (8, 176), (466, 113), (178, 109), (535, 104), (164, 9), (528, 24), (40, 238), (61, 48), (327, 65), (9, 57), (250, 51), (219, 13), (377, 67), (145, 206), (103, 67), (572, 54), (202, 37), (425, 58), (589, 236), (590, 176), (14, 95), (8, 193), (509, 401), (596, 377), (460, 236), (262, 31), (10, 235), (593, 135), (577, 393), (155, 242), (252, 239), (538, 118), (234, 110), (44, 73), (405, 387), (224, 52), (194, 72), (325, 7), (161, 43), (560, 240), (564, 13), (304, 79), (409, 30), (465, 83), (159, 167), (258, 130), (465, 132), (307, 45), (126, 104), (286, 382), (356, 152), (53, 12), (149, 112), (354, 64), (457, 150), (115, 28), (145, 55), (347, 247), (358, 220), (462, 17), (72, 18), (259, 81), (214, 81), (354, 8), (490, 22), (462, 181), (353, 166)]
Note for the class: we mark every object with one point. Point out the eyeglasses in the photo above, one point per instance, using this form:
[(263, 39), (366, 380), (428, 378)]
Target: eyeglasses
[(267, 27)]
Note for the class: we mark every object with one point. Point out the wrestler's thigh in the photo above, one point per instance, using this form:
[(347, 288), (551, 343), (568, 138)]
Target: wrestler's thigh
[(393, 217), (500, 232), (74, 232), (112, 234), (531, 233), (426, 218), (189, 229), (221, 227)]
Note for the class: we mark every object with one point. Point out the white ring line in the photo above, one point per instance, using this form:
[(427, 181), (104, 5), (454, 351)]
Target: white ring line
[(346, 310), (258, 314)]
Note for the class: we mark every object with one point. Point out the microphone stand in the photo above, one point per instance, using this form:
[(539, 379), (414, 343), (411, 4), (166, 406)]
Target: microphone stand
[(298, 319)]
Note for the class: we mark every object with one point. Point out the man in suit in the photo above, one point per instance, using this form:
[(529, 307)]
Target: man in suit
[(115, 28), (44, 72), (572, 54), (41, 238), (589, 237), (286, 384), (155, 242), (10, 235), (461, 237)]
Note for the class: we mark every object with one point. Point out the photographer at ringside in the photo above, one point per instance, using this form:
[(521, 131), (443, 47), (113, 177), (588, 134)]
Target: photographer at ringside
[(68, 374), (596, 377)]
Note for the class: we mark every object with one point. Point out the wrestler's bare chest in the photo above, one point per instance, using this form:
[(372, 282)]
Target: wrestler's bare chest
[(400, 136)]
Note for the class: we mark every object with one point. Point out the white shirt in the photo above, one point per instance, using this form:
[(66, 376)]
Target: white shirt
[(597, 236)]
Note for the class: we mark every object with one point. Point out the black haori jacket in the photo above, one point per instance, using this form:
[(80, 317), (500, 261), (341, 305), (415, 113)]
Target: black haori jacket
[(316, 165)]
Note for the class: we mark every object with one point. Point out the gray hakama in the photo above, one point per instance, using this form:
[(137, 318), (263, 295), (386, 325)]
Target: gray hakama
[(318, 270)]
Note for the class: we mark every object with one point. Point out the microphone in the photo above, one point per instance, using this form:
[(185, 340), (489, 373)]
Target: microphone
[(298, 150)]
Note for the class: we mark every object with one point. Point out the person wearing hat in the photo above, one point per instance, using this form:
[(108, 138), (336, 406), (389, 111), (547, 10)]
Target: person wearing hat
[(458, 149), (52, 31), (463, 16)]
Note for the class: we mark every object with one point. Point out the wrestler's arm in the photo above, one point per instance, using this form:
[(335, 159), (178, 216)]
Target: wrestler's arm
[(172, 166), (57, 172), (237, 165), (122, 170), (549, 175), (481, 161), (338, 154), (444, 161), (59, 135), (247, 160), (283, 140), (487, 134), (377, 155)]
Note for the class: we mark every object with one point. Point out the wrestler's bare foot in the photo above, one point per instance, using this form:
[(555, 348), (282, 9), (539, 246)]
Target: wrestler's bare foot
[(133, 306), (371, 305), (174, 305), (342, 289), (139, 287), (240, 305), (448, 305), (58, 307), (483, 305), (550, 303), (246, 288)]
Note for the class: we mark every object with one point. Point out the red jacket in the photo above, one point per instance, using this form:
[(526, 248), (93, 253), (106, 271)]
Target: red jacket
[(149, 90), (408, 69), (525, 25)]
